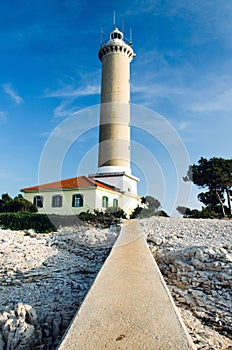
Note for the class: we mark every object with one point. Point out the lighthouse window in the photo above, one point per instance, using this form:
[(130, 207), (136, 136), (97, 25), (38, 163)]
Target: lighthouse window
[(77, 200), (116, 36), (105, 202), (38, 201), (57, 201)]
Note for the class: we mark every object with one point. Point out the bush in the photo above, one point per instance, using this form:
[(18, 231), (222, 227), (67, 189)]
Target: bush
[(87, 216), (205, 213), (136, 212), (151, 207), (163, 213), (115, 213), (25, 221), (19, 203), (140, 212), (105, 219), (43, 223)]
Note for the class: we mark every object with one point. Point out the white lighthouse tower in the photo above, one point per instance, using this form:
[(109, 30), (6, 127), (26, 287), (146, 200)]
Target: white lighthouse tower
[(114, 164)]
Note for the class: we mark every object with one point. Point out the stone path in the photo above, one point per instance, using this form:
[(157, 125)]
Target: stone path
[(128, 306)]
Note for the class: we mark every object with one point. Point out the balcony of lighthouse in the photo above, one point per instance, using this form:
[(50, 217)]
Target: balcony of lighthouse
[(126, 41), (116, 44)]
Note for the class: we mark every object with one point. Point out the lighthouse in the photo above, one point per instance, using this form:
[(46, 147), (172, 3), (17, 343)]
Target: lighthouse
[(114, 151), (114, 139), (113, 185)]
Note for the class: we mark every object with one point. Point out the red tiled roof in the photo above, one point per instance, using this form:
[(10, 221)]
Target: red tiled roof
[(74, 182)]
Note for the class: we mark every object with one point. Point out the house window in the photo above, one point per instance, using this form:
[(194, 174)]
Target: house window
[(115, 203), (77, 200), (38, 201), (105, 202), (57, 201)]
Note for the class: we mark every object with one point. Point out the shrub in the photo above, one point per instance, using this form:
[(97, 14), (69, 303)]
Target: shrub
[(19, 203), (25, 220), (146, 213), (115, 213), (205, 213), (163, 213), (136, 212), (105, 219)]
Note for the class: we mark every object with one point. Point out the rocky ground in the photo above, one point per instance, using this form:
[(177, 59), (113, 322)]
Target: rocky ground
[(195, 258), (44, 278)]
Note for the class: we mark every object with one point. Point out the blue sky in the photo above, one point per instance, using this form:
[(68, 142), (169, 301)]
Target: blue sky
[(49, 69)]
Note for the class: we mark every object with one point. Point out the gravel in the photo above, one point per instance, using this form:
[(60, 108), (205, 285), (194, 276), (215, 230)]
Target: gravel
[(45, 277), (195, 258)]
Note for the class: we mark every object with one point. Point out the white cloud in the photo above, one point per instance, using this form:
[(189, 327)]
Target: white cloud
[(141, 6), (69, 91), (63, 110), (215, 94), (221, 103), (156, 90), (45, 134), (209, 20), (186, 87), (4, 174), (3, 117), (12, 93), (183, 125)]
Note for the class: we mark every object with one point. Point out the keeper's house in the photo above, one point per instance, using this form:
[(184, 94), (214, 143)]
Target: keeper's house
[(79, 194)]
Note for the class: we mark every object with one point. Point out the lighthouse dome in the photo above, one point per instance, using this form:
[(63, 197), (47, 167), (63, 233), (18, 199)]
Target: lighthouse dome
[(116, 34)]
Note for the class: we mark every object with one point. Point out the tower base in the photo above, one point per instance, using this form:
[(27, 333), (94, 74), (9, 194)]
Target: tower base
[(125, 182)]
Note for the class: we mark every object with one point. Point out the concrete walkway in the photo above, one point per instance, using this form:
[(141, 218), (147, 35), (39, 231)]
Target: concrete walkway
[(128, 306)]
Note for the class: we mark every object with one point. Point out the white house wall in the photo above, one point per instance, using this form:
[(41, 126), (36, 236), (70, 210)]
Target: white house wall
[(130, 202), (124, 182), (126, 201), (66, 209), (92, 199), (111, 196)]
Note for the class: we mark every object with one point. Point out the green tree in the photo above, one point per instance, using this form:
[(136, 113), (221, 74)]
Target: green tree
[(216, 175), (163, 213), (152, 207), (210, 199), (6, 203), (115, 213), (152, 203), (183, 211), (136, 212), (22, 204), (19, 203)]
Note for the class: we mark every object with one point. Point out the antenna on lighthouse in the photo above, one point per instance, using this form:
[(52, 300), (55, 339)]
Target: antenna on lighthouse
[(122, 26), (114, 19), (130, 36), (101, 34)]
